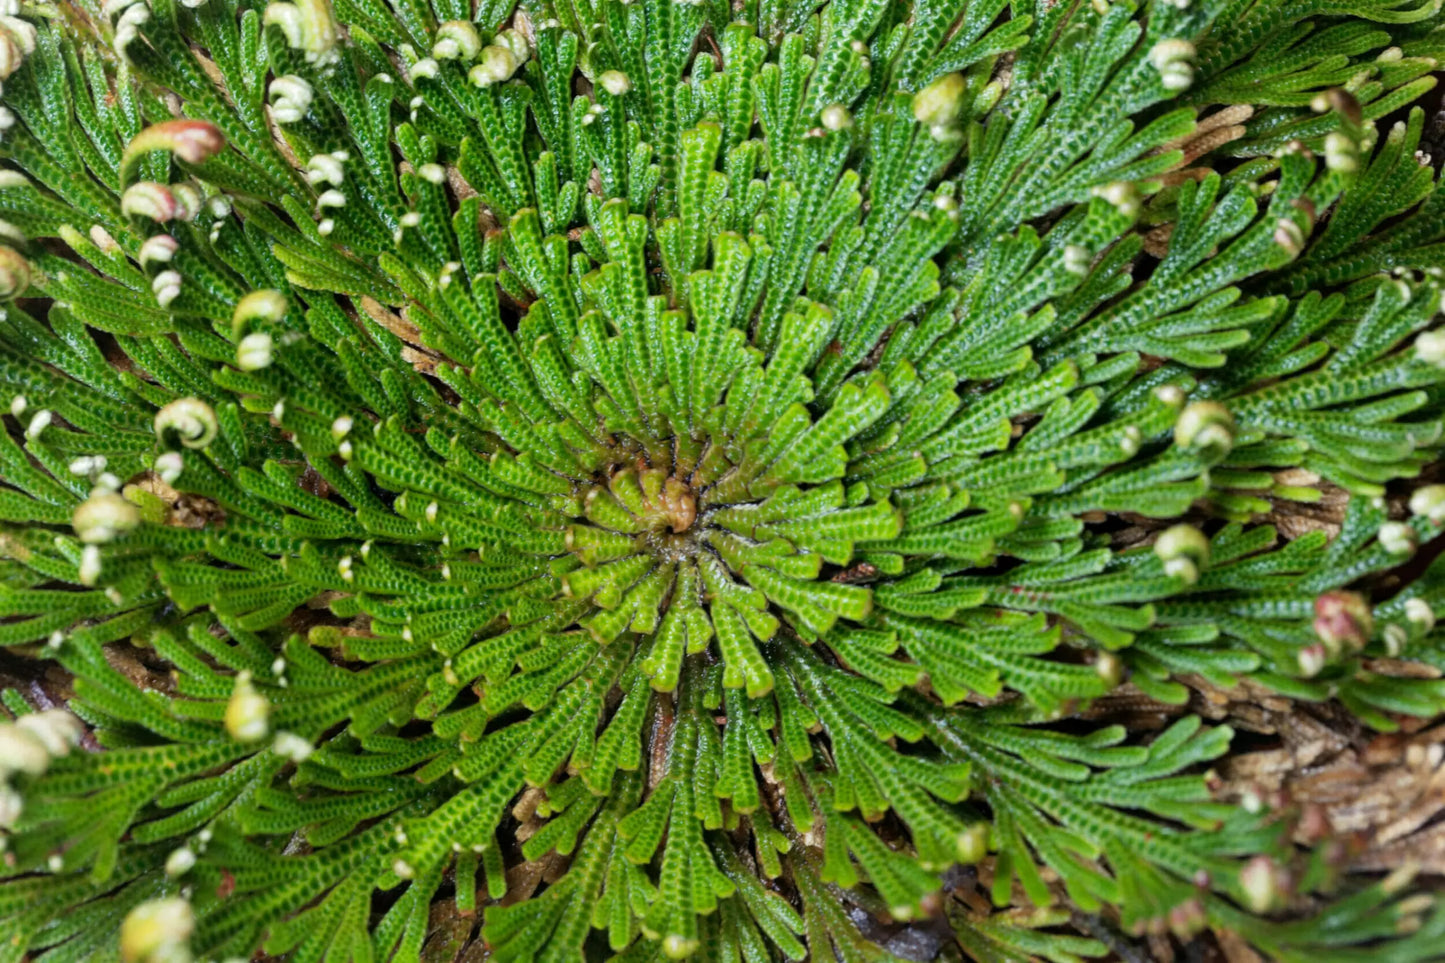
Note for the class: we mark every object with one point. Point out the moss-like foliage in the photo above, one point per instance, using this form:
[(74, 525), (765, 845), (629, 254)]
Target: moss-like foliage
[(671, 477)]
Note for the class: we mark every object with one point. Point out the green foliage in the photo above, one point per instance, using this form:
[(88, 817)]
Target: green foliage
[(667, 456)]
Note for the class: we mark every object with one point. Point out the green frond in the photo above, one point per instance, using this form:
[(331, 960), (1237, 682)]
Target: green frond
[(672, 478)]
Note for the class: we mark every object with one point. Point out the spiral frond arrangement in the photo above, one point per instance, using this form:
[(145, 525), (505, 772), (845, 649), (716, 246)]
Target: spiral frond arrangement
[(672, 478)]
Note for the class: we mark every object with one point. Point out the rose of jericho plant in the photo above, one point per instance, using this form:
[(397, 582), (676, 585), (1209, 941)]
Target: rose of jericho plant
[(669, 478)]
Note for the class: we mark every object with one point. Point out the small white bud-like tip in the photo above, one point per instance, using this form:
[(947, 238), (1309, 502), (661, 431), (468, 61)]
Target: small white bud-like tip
[(157, 930), (248, 713), (1261, 883), (1122, 195), (836, 117), (166, 286), (498, 64), (89, 569), (1397, 538), (21, 751), (1312, 659), (57, 730), (38, 423), (169, 466), (180, 862), (1109, 667), (457, 40), (940, 103), (12, 807), (1430, 347), (309, 26), (159, 249), (14, 273), (291, 98), (1171, 395), (1289, 236), (678, 947), (1204, 424), (615, 82), (103, 517), (1429, 502), (254, 352), (263, 305), (1419, 612), (291, 746), (192, 421), (1182, 541)]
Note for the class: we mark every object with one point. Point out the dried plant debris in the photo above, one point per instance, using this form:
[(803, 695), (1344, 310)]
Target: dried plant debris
[(1378, 793)]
